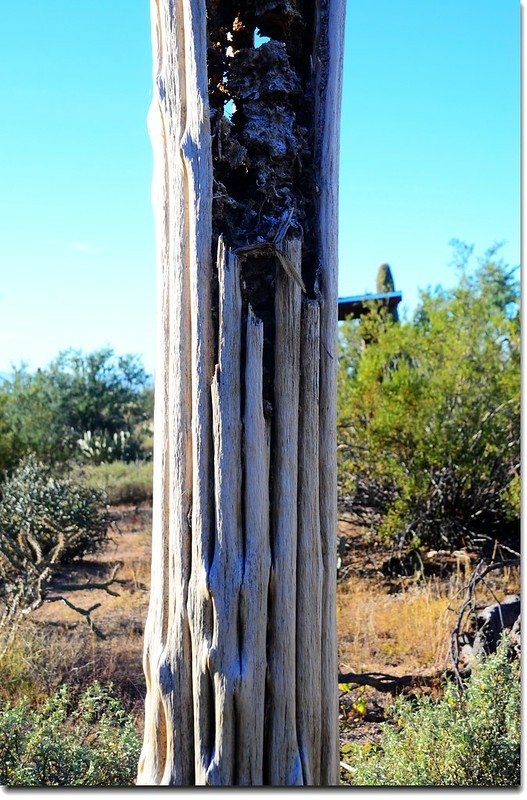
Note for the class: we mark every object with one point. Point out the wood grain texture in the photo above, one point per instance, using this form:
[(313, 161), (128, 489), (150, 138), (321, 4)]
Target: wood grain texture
[(283, 757), (168, 749), (226, 571), (195, 144), (309, 634), (257, 563), (328, 60)]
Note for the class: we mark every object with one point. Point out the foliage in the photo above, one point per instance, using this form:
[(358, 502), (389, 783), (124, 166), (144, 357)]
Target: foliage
[(429, 412), (45, 521), (91, 742), (121, 482), (469, 738), (384, 281), (97, 395), (40, 507), (9, 454)]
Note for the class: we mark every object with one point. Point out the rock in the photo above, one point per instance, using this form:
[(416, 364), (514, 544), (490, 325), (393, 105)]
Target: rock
[(492, 621)]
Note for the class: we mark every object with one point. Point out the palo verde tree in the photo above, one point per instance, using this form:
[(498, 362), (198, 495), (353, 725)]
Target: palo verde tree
[(240, 642), (429, 414)]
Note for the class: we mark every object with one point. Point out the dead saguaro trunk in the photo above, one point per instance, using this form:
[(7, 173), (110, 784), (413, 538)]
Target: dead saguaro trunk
[(240, 640)]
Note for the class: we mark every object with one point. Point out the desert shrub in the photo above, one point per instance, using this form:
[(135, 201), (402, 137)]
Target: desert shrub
[(121, 482), (469, 738), (429, 424), (45, 522), (91, 406), (89, 742), (52, 512), (9, 452)]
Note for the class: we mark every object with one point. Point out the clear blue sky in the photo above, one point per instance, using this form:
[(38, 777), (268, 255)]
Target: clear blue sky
[(429, 152)]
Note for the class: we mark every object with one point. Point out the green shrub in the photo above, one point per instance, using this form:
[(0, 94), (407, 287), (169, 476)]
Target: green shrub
[(429, 423), (45, 522), (121, 482), (91, 406), (469, 738), (90, 742)]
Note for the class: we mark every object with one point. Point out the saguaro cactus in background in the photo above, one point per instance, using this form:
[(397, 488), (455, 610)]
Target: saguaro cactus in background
[(386, 283), (240, 642)]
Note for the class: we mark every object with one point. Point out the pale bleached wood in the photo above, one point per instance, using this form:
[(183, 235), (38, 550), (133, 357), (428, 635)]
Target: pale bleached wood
[(283, 758), (257, 563), (225, 575), (179, 74), (328, 60), (309, 634), (196, 149), (175, 663), (152, 759), (207, 618)]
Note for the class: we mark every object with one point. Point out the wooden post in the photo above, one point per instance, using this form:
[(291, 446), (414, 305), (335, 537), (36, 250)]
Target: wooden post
[(240, 640)]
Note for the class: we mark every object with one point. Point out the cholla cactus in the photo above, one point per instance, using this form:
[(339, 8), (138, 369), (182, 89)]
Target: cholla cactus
[(46, 522)]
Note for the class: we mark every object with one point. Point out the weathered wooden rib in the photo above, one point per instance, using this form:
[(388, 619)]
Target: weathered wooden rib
[(225, 575), (309, 552), (257, 563), (283, 757), (328, 57)]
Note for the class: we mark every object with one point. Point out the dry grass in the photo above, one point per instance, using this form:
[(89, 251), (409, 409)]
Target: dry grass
[(398, 633), (404, 626), (121, 482), (55, 646)]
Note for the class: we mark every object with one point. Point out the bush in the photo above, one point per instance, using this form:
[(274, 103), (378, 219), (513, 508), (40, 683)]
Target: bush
[(91, 742), (52, 512), (45, 522), (429, 419), (90, 406), (120, 482), (469, 738)]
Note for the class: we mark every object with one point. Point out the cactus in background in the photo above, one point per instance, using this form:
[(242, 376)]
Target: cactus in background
[(386, 283)]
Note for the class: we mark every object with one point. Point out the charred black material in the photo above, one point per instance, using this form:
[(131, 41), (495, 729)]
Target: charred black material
[(261, 115)]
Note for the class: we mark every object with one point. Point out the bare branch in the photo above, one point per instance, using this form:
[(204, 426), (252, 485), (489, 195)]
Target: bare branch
[(477, 577), (394, 684), (84, 612), (102, 586)]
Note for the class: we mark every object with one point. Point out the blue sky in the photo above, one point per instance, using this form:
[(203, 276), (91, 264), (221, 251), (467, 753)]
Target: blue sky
[(429, 152)]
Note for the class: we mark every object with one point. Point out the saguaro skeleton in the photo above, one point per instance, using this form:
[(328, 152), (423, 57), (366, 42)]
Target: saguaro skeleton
[(240, 642)]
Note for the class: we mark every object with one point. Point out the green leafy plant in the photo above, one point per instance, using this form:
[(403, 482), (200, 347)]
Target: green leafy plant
[(98, 395), (88, 742), (469, 738), (429, 420)]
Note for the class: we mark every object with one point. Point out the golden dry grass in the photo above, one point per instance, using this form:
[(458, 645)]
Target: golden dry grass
[(407, 631), (397, 633)]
